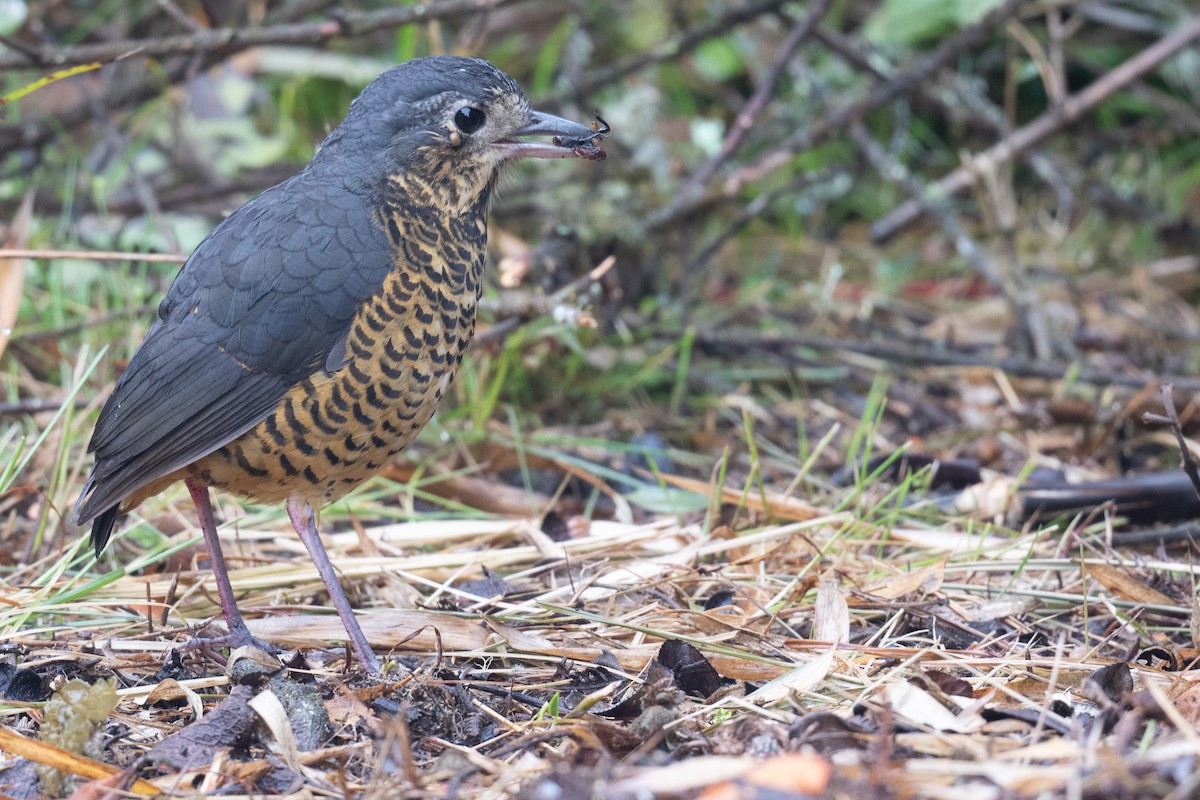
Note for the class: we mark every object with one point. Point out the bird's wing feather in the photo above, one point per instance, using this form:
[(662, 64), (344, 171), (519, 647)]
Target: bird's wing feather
[(255, 310)]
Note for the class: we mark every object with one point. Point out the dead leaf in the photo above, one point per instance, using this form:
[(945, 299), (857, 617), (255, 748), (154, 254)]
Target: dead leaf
[(831, 621), (925, 579), (391, 629), (801, 679), (1188, 702), (1194, 621), (515, 257), (170, 689), (100, 789), (682, 776), (918, 707), (1124, 585), (272, 714)]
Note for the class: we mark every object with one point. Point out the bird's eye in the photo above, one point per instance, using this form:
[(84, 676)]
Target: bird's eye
[(469, 119)]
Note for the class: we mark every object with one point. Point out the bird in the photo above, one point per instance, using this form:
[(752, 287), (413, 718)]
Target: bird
[(311, 335)]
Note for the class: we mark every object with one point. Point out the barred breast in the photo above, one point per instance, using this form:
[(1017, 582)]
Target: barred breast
[(338, 427)]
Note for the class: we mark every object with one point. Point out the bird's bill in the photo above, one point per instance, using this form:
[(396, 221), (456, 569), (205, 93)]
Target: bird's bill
[(570, 139)]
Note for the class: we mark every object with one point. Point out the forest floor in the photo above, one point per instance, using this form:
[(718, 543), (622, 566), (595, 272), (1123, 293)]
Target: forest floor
[(881, 582)]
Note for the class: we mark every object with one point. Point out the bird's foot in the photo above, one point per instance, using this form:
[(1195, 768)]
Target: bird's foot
[(237, 637), (368, 660)]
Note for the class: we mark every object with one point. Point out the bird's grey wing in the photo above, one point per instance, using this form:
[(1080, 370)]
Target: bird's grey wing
[(255, 310)]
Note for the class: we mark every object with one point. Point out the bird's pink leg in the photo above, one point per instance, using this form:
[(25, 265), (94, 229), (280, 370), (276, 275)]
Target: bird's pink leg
[(239, 634), (304, 520)]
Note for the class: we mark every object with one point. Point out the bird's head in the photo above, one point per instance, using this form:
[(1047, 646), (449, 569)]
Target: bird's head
[(451, 124)]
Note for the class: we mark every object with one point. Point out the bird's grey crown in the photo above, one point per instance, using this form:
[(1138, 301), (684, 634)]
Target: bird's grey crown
[(411, 97)]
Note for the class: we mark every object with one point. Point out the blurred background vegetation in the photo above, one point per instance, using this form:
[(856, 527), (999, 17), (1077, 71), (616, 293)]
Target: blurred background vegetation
[(759, 150)]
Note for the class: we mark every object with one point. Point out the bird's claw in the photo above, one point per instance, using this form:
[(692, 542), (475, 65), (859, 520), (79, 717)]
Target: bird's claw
[(238, 637)]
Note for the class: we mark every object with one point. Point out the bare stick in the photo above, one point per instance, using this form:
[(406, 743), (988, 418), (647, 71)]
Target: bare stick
[(904, 351), (93, 255), (892, 170), (837, 121), (1186, 460), (1071, 109), (543, 305), (35, 406), (758, 101), (674, 48), (349, 23)]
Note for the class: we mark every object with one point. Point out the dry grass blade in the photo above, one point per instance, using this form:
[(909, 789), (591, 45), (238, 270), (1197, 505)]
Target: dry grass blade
[(774, 504), (66, 761), (12, 271)]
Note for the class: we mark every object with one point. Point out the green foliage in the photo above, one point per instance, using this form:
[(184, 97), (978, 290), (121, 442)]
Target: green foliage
[(910, 23), (309, 105), (894, 273), (406, 44), (17, 452), (1181, 176), (718, 59), (549, 710), (549, 57)]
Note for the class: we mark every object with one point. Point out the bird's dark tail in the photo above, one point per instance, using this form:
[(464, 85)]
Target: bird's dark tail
[(102, 528)]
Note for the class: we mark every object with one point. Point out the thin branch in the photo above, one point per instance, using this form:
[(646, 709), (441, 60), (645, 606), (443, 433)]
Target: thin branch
[(671, 50), (540, 306), (890, 169), (347, 24), (93, 255), (751, 212), (1069, 111), (834, 123), (1186, 460), (63, 331), (746, 118), (899, 351), (36, 405), (192, 196), (36, 132)]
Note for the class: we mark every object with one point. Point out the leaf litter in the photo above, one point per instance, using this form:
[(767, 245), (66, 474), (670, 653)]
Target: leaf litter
[(816, 656), (903, 628)]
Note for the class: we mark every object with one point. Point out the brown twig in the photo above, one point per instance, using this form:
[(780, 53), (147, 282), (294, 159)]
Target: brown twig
[(209, 48), (62, 331), (229, 40), (1069, 111), (746, 118), (669, 51), (1186, 461), (898, 351), (188, 195), (93, 255), (542, 305), (37, 132), (750, 211), (836, 122), (34, 406), (892, 170)]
